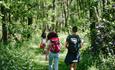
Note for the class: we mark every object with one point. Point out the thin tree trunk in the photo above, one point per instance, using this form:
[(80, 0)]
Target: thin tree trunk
[(30, 20), (53, 9), (4, 25), (103, 3), (92, 28), (65, 11)]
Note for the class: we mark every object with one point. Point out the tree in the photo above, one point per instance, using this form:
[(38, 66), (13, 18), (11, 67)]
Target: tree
[(4, 12)]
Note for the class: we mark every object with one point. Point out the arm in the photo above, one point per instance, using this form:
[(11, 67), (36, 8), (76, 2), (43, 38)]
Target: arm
[(66, 44), (81, 44), (48, 46)]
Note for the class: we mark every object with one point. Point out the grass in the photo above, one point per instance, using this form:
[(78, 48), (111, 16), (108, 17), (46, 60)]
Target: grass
[(30, 57)]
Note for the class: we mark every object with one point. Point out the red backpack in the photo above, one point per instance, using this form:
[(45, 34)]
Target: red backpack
[(55, 45)]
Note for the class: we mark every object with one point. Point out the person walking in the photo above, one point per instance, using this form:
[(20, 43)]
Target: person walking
[(73, 44), (53, 49), (43, 40)]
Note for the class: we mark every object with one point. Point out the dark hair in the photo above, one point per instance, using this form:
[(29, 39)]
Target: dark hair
[(52, 35), (74, 29), (43, 35)]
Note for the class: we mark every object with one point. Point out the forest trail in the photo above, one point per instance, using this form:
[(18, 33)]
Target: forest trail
[(39, 56)]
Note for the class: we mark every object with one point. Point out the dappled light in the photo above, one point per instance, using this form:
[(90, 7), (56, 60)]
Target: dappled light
[(87, 27)]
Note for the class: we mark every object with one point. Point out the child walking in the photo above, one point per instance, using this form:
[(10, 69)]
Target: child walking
[(43, 43)]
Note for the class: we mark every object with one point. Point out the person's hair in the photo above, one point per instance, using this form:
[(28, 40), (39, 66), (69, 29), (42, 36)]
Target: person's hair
[(52, 35), (74, 29)]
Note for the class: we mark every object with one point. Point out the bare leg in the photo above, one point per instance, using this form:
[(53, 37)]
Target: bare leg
[(74, 66), (71, 66), (46, 55)]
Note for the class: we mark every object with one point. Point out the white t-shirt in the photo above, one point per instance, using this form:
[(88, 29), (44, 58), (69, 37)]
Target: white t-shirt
[(44, 41)]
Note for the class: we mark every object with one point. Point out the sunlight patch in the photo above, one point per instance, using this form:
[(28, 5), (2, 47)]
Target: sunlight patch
[(41, 60), (34, 46), (92, 68)]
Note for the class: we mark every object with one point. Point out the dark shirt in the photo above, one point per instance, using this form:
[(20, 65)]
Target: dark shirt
[(73, 43)]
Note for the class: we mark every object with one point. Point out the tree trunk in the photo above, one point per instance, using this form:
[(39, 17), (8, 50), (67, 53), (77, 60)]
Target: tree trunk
[(53, 9), (30, 20), (4, 25), (93, 20), (53, 4), (65, 11), (93, 36), (103, 2)]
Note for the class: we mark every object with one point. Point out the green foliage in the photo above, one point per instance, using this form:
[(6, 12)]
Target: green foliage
[(18, 58), (60, 15), (29, 57), (14, 59), (90, 61)]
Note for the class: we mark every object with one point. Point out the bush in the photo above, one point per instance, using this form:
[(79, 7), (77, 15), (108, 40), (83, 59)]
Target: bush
[(15, 59)]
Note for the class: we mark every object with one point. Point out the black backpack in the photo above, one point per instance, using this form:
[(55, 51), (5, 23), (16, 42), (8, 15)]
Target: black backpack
[(74, 43)]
